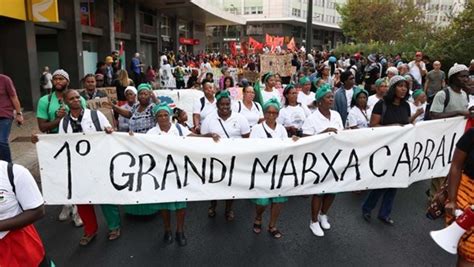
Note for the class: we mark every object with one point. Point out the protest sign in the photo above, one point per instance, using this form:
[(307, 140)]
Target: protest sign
[(280, 64), (120, 169)]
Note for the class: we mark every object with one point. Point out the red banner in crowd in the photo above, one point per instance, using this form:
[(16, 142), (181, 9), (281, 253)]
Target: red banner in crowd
[(233, 48), (291, 45)]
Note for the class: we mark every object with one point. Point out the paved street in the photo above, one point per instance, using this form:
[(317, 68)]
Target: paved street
[(215, 242)]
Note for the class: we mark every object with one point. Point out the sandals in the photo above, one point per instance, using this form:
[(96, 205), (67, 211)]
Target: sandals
[(211, 212), (274, 232), (114, 234), (257, 227), (86, 239), (229, 215)]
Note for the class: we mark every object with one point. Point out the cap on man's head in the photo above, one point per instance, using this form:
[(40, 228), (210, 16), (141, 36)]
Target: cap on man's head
[(456, 68), (62, 73)]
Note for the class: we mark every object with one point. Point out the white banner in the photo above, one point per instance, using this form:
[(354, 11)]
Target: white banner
[(121, 169)]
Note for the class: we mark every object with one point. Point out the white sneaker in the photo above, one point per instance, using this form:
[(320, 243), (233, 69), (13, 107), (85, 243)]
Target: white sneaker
[(75, 217), (65, 213), (323, 220), (316, 228)]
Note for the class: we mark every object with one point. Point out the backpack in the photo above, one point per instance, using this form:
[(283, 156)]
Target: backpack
[(43, 80), (11, 179), (203, 103), (94, 117), (240, 106)]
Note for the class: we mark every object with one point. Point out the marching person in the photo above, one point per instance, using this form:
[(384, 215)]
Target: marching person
[(381, 88), (9, 103), (90, 89), (204, 106), (164, 127), (141, 120), (250, 109), (224, 124), (392, 110), (269, 128), (131, 97), (461, 192), (269, 91), (51, 109), (323, 120), (305, 96), (293, 114), (83, 120), (359, 114)]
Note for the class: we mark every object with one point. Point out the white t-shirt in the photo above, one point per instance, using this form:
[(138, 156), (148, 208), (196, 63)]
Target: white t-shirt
[(471, 101), (209, 108), (349, 94), (269, 95), (206, 67), (172, 131), (415, 71), (293, 115), (235, 126), (260, 131), (253, 115), (306, 99), (316, 123), (86, 123), (358, 118), (27, 193), (414, 108), (373, 99)]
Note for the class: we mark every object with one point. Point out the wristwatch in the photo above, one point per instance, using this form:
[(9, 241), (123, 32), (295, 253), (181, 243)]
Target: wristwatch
[(19, 114)]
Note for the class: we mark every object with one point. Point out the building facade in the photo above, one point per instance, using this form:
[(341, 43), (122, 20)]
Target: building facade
[(89, 30), (278, 17)]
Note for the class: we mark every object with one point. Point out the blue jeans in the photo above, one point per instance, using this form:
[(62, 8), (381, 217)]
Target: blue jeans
[(5, 127), (387, 201)]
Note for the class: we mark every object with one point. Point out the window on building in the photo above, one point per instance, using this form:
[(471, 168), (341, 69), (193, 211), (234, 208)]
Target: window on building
[(119, 16), (87, 12), (254, 30), (183, 29), (296, 12), (165, 26), (252, 10)]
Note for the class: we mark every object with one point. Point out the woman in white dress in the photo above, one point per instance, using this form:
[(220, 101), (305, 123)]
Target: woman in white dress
[(250, 109), (323, 120), (269, 92), (305, 96), (269, 128), (359, 114), (293, 114)]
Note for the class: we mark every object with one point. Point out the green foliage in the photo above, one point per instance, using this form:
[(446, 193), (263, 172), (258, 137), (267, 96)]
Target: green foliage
[(380, 21), (449, 45)]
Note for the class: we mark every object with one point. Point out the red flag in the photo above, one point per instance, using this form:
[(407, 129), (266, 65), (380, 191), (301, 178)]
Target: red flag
[(291, 45), (233, 48), (255, 45), (268, 40), (244, 47), (278, 41)]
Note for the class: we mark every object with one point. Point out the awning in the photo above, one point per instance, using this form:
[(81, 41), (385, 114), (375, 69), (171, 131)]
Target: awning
[(195, 10)]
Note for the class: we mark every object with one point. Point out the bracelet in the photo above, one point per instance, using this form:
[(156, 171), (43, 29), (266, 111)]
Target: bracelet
[(19, 113)]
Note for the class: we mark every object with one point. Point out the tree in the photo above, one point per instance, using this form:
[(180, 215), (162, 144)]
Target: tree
[(381, 21)]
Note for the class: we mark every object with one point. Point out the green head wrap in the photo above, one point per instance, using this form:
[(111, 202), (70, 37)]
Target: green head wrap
[(144, 86), (288, 88), (266, 76), (304, 80), (380, 81), (315, 82), (417, 93), (161, 106), (357, 91), (271, 102), (322, 91), (222, 94)]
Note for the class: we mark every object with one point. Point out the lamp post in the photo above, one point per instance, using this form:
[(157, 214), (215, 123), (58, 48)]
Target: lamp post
[(309, 26)]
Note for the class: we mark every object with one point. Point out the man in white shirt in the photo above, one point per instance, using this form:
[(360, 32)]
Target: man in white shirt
[(417, 67), (204, 106)]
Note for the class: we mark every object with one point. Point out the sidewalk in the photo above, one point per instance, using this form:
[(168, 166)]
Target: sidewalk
[(23, 151)]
